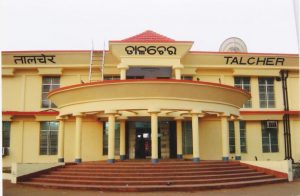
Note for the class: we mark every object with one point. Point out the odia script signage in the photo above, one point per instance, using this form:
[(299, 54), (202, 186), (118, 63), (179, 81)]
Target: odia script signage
[(150, 50)]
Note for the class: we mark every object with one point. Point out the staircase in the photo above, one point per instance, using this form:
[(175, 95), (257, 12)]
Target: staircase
[(143, 176)]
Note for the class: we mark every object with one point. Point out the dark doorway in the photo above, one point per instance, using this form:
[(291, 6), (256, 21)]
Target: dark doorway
[(173, 139), (143, 141)]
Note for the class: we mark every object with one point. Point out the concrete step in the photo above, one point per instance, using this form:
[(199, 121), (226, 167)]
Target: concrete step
[(110, 166), (152, 182), (146, 173), (160, 163), (144, 178), (168, 187), (142, 170)]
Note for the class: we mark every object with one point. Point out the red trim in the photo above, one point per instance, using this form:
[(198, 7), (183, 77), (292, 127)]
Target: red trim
[(18, 113), (269, 112), (42, 51), (190, 52), (149, 41), (147, 80), (267, 171), (243, 53)]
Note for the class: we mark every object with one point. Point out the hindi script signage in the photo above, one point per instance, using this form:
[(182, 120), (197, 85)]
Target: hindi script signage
[(35, 59)]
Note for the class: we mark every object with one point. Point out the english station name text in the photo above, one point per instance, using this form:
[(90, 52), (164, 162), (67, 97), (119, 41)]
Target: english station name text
[(234, 60)]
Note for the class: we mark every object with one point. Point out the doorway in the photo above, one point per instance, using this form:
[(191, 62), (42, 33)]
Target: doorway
[(143, 140), (143, 143)]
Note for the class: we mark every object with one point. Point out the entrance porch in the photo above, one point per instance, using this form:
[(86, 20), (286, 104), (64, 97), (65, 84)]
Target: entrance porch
[(152, 102)]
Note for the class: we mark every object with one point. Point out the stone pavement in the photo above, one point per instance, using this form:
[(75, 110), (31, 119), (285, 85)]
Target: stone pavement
[(280, 189)]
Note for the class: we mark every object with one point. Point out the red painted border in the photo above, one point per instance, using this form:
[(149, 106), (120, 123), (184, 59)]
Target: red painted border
[(267, 171), (243, 53), (120, 41), (148, 80), (54, 113), (42, 51), (18, 113), (269, 112), (190, 52)]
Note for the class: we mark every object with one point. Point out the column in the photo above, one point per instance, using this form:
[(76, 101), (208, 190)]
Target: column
[(196, 145), (123, 69), (177, 69), (237, 139), (78, 133), (178, 74), (122, 74), (154, 135), (225, 138), (60, 148), (111, 138), (122, 139), (179, 136)]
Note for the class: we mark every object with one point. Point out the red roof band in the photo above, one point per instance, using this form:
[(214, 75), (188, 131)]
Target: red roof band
[(55, 113), (269, 112), (31, 113)]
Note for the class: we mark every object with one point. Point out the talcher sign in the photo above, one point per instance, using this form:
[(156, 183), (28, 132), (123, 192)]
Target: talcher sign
[(235, 60)]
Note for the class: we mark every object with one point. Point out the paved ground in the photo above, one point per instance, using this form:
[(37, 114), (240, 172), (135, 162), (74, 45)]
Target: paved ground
[(281, 189)]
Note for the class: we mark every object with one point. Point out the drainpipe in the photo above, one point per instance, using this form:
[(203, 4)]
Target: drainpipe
[(286, 117)]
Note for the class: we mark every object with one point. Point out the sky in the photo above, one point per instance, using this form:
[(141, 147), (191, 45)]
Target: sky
[(266, 26)]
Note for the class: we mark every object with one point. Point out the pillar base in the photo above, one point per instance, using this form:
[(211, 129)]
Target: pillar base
[(77, 160), (238, 158), (61, 160), (225, 158), (196, 159), (110, 160), (154, 161), (179, 156), (122, 157)]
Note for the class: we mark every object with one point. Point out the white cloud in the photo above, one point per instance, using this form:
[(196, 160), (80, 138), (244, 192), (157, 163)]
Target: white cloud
[(265, 26)]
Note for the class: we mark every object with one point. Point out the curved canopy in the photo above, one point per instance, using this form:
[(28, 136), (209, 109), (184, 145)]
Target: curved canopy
[(138, 95)]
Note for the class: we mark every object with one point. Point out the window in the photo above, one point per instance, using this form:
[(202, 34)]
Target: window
[(117, 138), (49, 84), (112, 77), (135, 77), (269, 137), (187, 139), (186, 77), (244, 83), (231, 137), (48, 138), (243, 137), (266, 92), (5, 134)]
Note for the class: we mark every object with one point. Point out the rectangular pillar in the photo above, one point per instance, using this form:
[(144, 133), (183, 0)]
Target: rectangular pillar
[(196, 145), (154, 137), (178, 74), (78, 138), (179, 138), (111, 139), (225, 138), (60, 147), (237, 140), (122, 74), (122, 140)]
